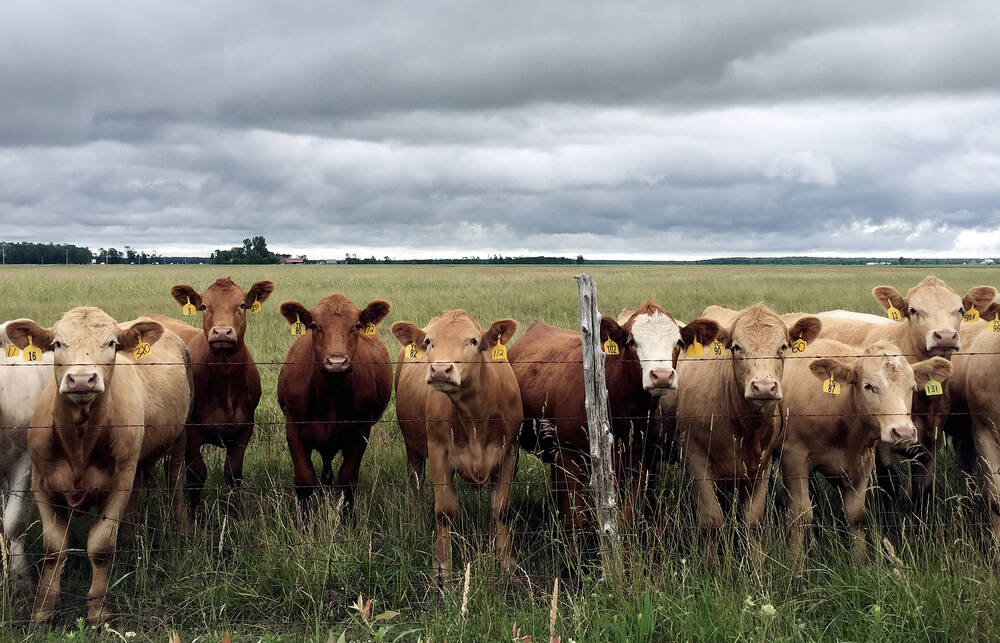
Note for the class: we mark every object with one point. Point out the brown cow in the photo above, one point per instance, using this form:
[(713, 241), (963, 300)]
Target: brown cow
[(334, 385), (729, 415), (226, 380), (465, 391), (836, 434), (548, 364), (94, 428)]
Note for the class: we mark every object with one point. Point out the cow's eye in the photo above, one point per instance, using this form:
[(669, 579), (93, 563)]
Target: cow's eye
[(735, 348), (871, 388), (316, 327), (960, 311), (203, 307), (57, 345), (914, 311), (111, 344), (474, 341), (784, 347), (427, 342)]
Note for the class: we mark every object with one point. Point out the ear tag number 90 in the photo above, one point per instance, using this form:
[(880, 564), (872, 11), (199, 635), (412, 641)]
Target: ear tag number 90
[(717, 348), (499, 351), (610, 347), (298, 328), (893, 313), (188, 309), (31, 353)]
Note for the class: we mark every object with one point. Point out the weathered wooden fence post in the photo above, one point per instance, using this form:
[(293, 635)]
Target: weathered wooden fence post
[(602, 475)]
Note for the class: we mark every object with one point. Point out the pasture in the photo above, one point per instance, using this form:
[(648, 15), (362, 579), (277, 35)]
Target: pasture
[(258, 574)]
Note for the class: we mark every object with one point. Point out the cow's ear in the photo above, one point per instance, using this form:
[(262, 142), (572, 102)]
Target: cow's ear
[(374, 312), (990, 312), (499, 333), (19, 330), (807, 328), (406, 333), (723, 337), (130, 334), (293, 311), (183, 293), (937, 368), (610, 329), (889, 296), (701, 329), (826, 367), (260, 291), (980, 297)]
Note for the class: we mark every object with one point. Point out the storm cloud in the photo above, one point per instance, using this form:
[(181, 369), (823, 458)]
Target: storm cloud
[(645, 130)]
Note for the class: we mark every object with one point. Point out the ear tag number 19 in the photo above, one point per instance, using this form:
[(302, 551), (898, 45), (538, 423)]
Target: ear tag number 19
[(188, 309), (717, 348), (893, 313), (255, 306), (499, 351), (31, 353), (831, 386), (610, 347), (141, 349), (369, 329), (298, 328), (933, 387), (12, 350), (971, 315), (695, 349)]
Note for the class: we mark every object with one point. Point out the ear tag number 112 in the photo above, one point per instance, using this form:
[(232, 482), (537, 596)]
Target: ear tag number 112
[(499, 351), (369, 329)]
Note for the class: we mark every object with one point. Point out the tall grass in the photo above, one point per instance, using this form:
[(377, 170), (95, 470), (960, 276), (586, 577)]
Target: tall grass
[(259, 573)]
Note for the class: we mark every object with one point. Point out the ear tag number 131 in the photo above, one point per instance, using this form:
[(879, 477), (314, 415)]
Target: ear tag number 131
[(31, 353), (933, 387), (499, 351)]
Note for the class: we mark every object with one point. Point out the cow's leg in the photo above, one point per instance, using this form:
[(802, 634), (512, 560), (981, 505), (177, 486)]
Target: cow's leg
[(754, 505), (987, 443), (500, 504), (350, 470), (706, 503), (173, 468), (305, 473), (567, 483), (197, 472), (416, 463), (795, 474), (888, 481), (15, 517), (55, 541), (445, 510), (854, 489), (235, 451), (101, 546)]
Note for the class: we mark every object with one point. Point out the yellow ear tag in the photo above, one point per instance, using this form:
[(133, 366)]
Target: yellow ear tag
[(298, 328), (255, 306), (893, 313), (31, 353), (695, 349), (610, 347), (994, 325), (717, 348), (188, 308), (369, 329), (799, 345), (414, 351), (933, 387), (830, 386), (13, 350), (141, 349), (499, 351), (970, 315)]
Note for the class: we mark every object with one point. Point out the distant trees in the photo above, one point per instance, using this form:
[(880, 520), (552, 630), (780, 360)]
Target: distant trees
[(253, 251), (25, 252)]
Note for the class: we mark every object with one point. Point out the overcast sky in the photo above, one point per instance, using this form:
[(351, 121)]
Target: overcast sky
[(614, 129)]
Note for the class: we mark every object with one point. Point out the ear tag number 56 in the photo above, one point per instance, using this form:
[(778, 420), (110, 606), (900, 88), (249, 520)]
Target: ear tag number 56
[(31, 353), (499, 351), (298, 328)]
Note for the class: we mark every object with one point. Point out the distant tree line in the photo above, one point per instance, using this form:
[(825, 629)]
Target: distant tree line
[(253, 251), (491, 260), (26, 252)]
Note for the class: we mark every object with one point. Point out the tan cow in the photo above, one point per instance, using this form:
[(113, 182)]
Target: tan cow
[(468, 399), (729, 415), (102, 419), (836, 434)]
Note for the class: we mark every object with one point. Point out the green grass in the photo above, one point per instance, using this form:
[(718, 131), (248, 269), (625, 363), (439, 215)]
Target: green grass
[(261, 576)]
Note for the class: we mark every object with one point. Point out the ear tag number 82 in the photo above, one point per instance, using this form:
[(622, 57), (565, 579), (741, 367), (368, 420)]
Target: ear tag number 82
[(831, 386), (414, 351)]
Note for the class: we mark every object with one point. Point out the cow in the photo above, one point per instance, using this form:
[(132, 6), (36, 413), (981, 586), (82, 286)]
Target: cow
[(226, 379), (639, 371), (334, 385), (20, 386), (729, 416), (459, 392), (835, 433), (102, 419)]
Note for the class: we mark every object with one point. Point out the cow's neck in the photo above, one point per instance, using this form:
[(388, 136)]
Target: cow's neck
[(856, 431), (751, 424), (79, 429), (626, 396), (228, 363), (899, 334), (470, 406)]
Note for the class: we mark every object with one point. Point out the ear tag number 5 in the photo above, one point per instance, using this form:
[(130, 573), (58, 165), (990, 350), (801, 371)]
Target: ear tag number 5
[(31, 353), (831, 386), (933, 387), (971, 315), (188, 309), (610, 347), (499, 351), (141, 349), (695, 349), (893, 313), (298, 328), (369, 329)]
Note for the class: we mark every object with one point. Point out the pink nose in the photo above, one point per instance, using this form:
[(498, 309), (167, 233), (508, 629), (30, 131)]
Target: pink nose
[(903, 433), (945, 337), (337, 363), (765, 387), (85, 382), (662, 377), (440, 370), (222, 334)]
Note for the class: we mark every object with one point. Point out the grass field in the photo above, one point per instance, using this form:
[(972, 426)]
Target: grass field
[(260, 576)]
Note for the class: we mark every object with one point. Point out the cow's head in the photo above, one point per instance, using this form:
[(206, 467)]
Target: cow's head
[(223, 310), (756, 342), (934, 312), (84, 343), (656, 339), (335, 326), (456, 348), (882, 384)]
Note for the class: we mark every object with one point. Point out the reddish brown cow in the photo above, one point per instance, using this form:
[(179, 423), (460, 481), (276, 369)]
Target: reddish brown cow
[(547, 362), (467, 398), (334, 385), (226, 380)]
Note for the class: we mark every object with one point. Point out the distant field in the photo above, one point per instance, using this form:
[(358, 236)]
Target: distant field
[(259, 576)]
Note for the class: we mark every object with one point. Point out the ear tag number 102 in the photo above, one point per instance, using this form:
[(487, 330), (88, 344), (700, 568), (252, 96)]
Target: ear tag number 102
[(499, 351), (298, 328), (610, 347), (31, 353), (831, 386), (893, 313), (188, 309), (141, 349), (933, 387)]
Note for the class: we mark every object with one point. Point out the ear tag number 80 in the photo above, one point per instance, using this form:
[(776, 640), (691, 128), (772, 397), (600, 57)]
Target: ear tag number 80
[(893, 313), (369, 329), (831, 386), (933, 387), (31, 353), (610, 347), (298, 328), (141, 349), (499, 351), (695, 349), (188, 309)]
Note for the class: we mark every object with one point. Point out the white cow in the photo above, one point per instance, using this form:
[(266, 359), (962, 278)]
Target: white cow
[(20, 386)]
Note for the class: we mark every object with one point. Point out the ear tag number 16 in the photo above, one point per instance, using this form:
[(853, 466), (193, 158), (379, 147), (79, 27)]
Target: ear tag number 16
[(31, 353), (298, 328)]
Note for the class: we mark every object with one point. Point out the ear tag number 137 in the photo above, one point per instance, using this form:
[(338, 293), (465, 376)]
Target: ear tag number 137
[(298, 328)]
